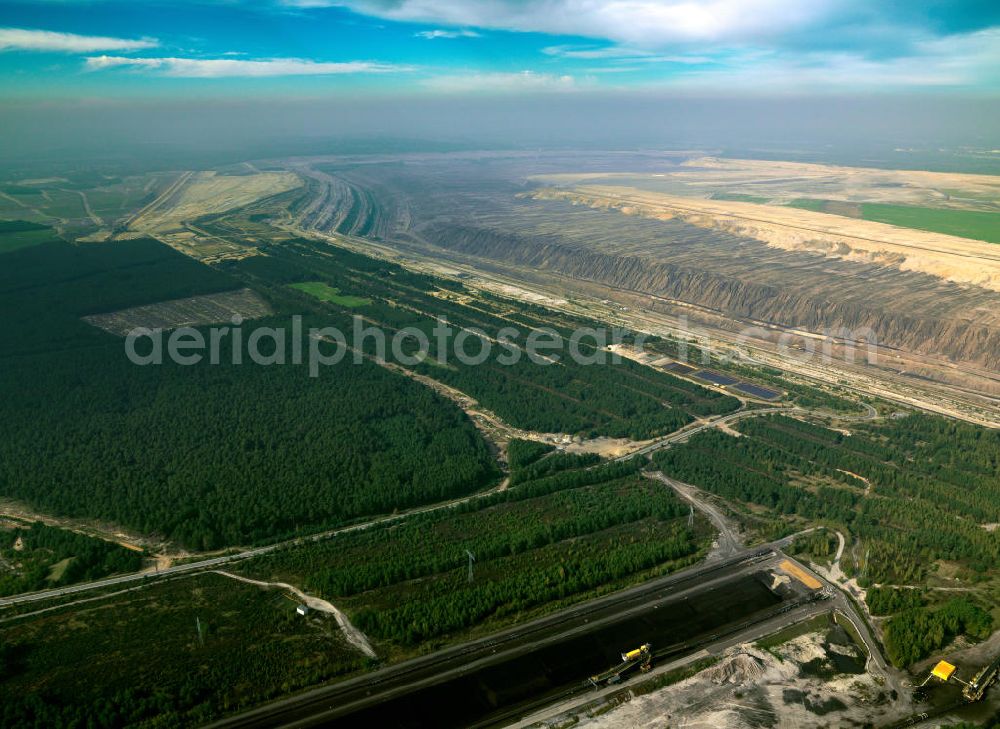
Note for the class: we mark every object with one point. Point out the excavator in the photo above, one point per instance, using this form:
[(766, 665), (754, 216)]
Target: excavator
[(641, 658)]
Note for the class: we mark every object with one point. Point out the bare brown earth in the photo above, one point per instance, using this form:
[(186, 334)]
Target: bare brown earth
[(954, 259), (192, 311), (172, 216), (781, 182), (761, 265)]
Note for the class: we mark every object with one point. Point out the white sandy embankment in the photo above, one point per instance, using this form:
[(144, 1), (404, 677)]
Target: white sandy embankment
[(354, 636)]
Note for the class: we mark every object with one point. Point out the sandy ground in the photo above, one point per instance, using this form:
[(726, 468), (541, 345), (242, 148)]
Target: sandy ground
[(751, 687), (353, 636), (783, 181), (947, 257), (205, 193)]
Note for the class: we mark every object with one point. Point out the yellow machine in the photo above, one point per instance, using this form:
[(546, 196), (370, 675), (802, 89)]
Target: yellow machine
[(972, 690), (641, 658), (644, 650)]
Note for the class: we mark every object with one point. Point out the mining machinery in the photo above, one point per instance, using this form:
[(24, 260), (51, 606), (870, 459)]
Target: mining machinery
[(641, 658)]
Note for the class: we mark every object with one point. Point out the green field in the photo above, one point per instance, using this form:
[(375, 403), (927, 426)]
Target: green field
[(974, 224), (327, 293)]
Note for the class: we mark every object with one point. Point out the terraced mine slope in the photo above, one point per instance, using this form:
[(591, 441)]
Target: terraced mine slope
[(918, 291)]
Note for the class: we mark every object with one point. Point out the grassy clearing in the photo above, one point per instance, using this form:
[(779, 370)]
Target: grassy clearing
[(57, 570), (974, 224), (323, 292)]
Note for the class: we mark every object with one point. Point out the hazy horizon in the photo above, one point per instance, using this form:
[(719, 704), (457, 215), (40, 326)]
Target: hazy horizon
[(236, 78)]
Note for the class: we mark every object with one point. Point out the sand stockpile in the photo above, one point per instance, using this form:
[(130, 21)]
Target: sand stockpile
[(738, 669)]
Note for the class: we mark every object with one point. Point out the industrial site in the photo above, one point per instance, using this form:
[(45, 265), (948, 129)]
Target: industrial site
[(437, 364)]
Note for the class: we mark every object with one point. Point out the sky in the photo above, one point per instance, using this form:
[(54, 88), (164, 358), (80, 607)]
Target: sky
[(213, 74), (85, 49)]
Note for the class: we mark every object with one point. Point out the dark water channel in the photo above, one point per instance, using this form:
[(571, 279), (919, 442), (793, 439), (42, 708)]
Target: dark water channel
[(550, 671)]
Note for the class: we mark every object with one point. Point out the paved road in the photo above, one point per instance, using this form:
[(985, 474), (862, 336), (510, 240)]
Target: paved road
[(728, 540), (323, 703), (684, 433), (213, 562)]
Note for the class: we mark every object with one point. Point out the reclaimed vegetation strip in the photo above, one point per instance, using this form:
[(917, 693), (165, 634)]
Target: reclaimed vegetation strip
[(623, 399), (537, 543)]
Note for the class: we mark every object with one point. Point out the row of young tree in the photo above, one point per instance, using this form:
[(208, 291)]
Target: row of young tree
[(517, 520), (519, 584), (536, 542)]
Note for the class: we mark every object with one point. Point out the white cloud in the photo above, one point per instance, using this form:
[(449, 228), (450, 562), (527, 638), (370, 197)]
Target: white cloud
[(487, 82), (432, 34), (620, 53), (965, 60), (229, 68), (646, 23), (21, 39)]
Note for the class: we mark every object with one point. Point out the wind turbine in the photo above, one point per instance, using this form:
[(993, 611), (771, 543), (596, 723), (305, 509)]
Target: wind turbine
[(472, 559)]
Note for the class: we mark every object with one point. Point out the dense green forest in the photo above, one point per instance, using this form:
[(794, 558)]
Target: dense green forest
[(138, 659), (547, 540), (521, 453), (933, 481), (49, 287), (616, 399), (207, 455), (889, 600), (916, 491), (37, 556), (917, 632), (552, 463), (200, 454)]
